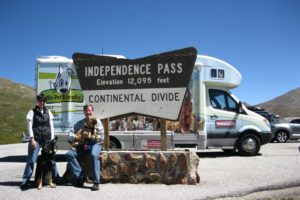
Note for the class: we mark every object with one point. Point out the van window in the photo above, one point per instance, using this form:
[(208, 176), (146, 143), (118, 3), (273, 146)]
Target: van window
[(221, 100), (295, 121)]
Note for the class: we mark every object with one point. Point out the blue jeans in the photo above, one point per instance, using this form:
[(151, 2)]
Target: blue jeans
[(72, 156), (31, 160)]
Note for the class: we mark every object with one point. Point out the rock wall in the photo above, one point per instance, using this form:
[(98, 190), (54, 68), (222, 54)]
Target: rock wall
[(167, 167)]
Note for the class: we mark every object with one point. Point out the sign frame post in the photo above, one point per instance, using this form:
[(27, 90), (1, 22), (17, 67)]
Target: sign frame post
[(106, 133), (163, 134)]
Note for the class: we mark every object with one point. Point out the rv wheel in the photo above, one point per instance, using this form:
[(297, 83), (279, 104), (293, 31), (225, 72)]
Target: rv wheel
[(114, 143), (249, 145)]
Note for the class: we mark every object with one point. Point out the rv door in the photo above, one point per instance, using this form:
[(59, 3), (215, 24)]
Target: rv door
[(222, 121)]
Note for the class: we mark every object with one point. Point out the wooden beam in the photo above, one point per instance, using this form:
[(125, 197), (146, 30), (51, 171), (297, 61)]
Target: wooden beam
[(106, 133), (163, 134)]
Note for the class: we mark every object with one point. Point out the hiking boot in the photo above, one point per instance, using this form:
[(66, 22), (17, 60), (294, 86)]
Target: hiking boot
[(79, 182), (59, 181), (24, 186), (95, 187)]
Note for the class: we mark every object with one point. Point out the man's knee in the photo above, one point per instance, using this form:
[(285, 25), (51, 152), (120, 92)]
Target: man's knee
[(31, 160), (31, 163), (95, 154), (70, 155)]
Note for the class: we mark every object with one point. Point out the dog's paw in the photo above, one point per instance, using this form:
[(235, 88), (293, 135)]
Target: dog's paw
[(53, 185), (39, 185)]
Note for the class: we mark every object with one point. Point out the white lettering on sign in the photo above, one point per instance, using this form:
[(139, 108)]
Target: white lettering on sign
[(117, 70), (133, 97), (109, 82), (165, 96), (169, 68), (161, 101), (132, 69), (116, 98)]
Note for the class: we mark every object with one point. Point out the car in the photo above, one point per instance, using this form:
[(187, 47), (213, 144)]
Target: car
[(284, 131), (261, 111)]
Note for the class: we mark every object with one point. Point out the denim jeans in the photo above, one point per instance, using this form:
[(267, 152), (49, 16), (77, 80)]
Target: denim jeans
[(31, 160), (72, 156)]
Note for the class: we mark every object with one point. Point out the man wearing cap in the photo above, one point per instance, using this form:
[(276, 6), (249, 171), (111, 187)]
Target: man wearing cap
[(40, 129)]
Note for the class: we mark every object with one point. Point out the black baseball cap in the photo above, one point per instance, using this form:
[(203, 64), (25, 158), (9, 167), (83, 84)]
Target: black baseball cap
[(41, 97)]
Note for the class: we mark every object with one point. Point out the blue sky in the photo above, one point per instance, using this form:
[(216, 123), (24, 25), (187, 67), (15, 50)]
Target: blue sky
[(261, 38)]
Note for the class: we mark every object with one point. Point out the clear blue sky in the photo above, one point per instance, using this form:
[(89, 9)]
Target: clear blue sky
[(261, 38)]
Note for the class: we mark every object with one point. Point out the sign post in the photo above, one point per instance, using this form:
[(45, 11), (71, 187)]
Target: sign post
[(106, 133), (163, 135)]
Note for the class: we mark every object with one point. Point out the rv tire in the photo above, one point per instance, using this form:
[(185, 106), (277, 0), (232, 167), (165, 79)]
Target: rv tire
[(114, 143), (249, 145)]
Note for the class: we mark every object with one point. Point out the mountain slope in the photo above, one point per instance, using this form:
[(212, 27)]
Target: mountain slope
[(286, 105), (15, 101)]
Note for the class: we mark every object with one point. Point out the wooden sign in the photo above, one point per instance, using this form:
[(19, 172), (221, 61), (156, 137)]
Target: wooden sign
[(153, 85)]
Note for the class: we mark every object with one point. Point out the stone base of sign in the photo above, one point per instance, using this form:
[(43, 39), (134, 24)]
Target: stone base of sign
[(166, 167)]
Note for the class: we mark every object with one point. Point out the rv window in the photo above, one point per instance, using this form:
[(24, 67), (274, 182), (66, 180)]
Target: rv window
[(213, 73), (221, 73), (221, 100), (217, 73)]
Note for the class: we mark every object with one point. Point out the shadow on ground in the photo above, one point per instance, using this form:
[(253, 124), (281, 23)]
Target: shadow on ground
[(22, 159), (220, 154)]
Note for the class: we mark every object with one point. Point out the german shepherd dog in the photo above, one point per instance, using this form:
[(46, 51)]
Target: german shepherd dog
[(45, 164)]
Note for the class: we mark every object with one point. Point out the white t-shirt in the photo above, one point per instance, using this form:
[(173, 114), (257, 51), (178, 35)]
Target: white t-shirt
[(29, 119)]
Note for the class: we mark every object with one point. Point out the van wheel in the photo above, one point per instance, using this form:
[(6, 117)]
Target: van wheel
[(282, 136), (114, 143), (249, 145)]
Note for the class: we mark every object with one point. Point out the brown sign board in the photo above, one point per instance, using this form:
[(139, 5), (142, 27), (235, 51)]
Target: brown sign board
[(153, 85)]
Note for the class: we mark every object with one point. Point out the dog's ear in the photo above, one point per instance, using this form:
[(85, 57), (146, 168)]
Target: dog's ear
[(55, 140), (94, 121)]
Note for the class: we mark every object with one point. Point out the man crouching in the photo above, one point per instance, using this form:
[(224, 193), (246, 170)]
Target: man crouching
[(89, 140)]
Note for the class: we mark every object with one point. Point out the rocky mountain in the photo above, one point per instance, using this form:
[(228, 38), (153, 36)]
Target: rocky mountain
[(286, 105)]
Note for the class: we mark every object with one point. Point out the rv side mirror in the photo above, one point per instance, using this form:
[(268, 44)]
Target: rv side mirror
[(239, 108)]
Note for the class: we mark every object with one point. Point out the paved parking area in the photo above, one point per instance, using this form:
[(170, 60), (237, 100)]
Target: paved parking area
[(273, 173)]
